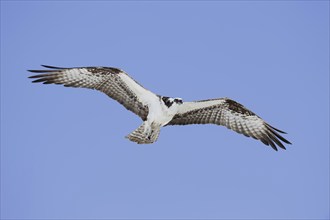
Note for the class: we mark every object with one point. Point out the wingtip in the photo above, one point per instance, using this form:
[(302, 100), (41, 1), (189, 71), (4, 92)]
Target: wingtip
[(37, 71), (273, 146), (52, 67), (278, 130)]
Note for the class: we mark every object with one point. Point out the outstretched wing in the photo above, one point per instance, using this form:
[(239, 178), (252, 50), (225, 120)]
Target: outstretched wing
[(112, 81), (231, 114)]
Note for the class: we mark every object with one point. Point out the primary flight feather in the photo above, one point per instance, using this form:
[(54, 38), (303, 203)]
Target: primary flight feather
[(157, 111)]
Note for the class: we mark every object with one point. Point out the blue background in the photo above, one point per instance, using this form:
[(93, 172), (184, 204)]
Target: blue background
[(63, 151)]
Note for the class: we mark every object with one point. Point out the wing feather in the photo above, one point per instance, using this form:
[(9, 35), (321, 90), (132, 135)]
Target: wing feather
[(111, 81), (232, 115)]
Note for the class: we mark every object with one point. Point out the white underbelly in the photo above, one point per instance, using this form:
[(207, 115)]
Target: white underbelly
[(160, 114)]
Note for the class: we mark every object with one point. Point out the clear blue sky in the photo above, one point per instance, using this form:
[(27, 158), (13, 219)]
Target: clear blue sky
[(63, 151)]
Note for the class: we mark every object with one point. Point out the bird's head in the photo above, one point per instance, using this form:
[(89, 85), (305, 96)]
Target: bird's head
[(170, 101), (178, 100)]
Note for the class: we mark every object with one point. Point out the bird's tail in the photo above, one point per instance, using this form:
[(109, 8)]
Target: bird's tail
[(145, 134)]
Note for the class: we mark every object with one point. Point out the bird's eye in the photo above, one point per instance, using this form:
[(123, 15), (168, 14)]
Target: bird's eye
[(178, 101)]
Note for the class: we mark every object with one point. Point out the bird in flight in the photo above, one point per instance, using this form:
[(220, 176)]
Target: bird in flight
[(158, 111)]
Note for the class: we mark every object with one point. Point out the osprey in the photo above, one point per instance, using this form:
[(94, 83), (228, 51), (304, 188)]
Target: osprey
[(157, 111)]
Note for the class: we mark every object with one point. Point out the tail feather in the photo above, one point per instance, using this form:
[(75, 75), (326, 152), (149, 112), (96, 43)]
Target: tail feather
[(145, 134)]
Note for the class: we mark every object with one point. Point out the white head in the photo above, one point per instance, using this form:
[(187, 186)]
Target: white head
[(170, 101)]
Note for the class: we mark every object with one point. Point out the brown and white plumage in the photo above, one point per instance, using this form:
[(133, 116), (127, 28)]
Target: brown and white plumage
[(157, 111), (105, 79), (234, 116)]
